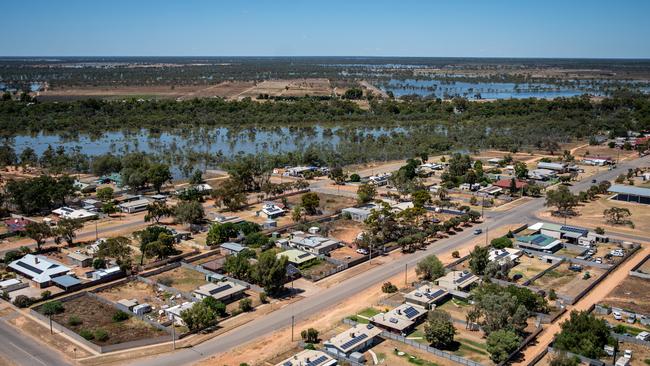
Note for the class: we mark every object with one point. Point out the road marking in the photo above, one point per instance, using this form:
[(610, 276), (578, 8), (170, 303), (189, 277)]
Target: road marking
[(27, 353)]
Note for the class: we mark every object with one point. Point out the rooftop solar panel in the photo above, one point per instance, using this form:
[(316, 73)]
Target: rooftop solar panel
[(463, 277), (304, 255), (29, 267), (410, 312), (574, 229), (220, 289), (538, 240), (354, 341), (433, 295), (317, 361)]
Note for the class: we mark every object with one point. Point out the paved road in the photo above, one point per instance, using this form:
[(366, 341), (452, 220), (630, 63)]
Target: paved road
[(333, 295), (23, 350)]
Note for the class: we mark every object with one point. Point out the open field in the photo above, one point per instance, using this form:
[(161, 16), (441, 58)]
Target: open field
[(567, 282), (144, 294), (290, 88), (468, 344), (181, 278), (633, 294), (96, 315), (345, 253), (345, 230)]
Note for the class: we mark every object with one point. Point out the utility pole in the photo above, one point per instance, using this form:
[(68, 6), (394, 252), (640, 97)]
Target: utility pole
[(96, 232), (174, 335), (406, 274), (292, 324), (482, 206), (51, 331), (486, 234)]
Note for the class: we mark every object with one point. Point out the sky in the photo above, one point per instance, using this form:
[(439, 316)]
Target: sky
[(433, 28)]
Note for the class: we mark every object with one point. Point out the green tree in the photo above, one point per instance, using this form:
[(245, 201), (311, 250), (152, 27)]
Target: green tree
[(562, 199), (109, 208), (238, 266), (190, 212), (562, 359), (439, 329), (158, 175), (217, 306), (52, 308), (618, 216), (199, 316), (479, 259), (66, 230), (230, 195), (118, 248), (354, 177), (221, 233), (430, 268), (309, 335), (157, 210), (583, 334), (256, 240), (521, 170), (338, 175), (39, 232), (310, 202), (270, 272), (105, 194), (155, 241), (196, 178), (421, 198), (366, 193), (501, 242), (501, 343), (245, 304)]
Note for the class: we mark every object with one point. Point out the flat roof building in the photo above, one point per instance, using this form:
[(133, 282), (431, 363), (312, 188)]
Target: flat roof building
[(71, 213), (427, 296), (134, 206), (230, 248), (457, 281), (314, 244), (630, 193), (309, 357), (539, 242), (400, 320), (352, 340), (360, 214), (297, 257), (81, 260), (502, 255), (223, 291)]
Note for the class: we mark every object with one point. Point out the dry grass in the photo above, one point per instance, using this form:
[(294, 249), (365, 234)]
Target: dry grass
[(567, 282), (633, 294), (183, 279)]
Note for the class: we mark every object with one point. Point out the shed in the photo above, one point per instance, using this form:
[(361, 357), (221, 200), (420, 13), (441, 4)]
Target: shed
[(81, 260), (66, 282), (141, 309)]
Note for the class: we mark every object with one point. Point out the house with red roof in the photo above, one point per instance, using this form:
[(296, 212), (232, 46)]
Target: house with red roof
[(505, 183)]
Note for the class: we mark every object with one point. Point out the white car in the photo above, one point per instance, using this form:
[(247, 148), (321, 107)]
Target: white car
[(362, 251), (617, 315), (628, 354), (643, 336)]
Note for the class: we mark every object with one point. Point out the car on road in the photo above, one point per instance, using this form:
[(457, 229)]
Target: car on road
[(593, 181), (478, 231)]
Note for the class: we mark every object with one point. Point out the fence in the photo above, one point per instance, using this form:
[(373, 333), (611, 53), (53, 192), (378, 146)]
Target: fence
[(235, 280), (173, 259), (635, 271), (624, 338), (583, 359), (172, 290), (522, 345), (429, 349)]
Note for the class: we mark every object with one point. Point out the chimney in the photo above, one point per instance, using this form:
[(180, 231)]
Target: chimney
[(35, 260)]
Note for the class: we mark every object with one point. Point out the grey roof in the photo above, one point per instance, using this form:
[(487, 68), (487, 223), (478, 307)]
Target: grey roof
[(66, 281), (235, 247), (636, 191)]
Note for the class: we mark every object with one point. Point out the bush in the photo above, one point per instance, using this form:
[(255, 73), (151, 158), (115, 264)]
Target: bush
[(45, 294), (500, 243), (245, 304), (167, 281), (22, 301), (263, 298), (388, 288), (552, 295), (101, 335), (455, 254), (586, 276), (217, 306), (88, 335), (99, 263), (599, 230), (346, 216), (309, 346), (309, 335), (354, 177), (52, 307), (74, 321), (120, 316)]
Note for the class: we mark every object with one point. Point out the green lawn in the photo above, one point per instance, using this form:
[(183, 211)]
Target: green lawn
[(630, 329), (361, 316), (414, 359)]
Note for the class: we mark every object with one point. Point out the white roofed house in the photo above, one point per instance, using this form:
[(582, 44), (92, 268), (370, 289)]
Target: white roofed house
[(75, 214), (427, 296), (458, 281), (355, 339), (134, 206), (223, 291), (39, 269), (558, 167), (174, 312), (502, 255), (400, 320), (309, 357), (314, 244), (271, 210)]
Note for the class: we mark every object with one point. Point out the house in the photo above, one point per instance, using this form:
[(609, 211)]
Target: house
[(314, 244), (361, 213), (298, 171), (222, 291), (16, 225), (400, 320), (491, 190), (458, 281), (224, 219), (495, 161), (174, 312), (12, 284), (297, 257), (401, 206), (107, 273), (80, 260), (427, 296), (542, 174), (134, 206), (570, 234), (271, 210), (91, 204), (39, 269), (126, 304), (203, 188), (598, 161), (70, 213), (502, 255), (630, 194), (66, 282), (470, 187), (355, 339), (159, 197), (379, 180), (539, 242), (127, 198), (309, 357), (231, 248), (558, 167), (507, 184), (269, 224)]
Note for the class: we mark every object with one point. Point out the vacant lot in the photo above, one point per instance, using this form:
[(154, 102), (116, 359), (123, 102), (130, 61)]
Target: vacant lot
[(181, 278), (290, 88), (645, 267), (345, 254), (468, 344), (591, 215), (92, 315), (567, 282), (393, 353), (317, 269), (632, 294), (345, 230), (145, 294), (329, 203)]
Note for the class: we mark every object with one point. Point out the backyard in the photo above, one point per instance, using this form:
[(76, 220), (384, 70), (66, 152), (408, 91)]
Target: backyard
[(567, 282), (632, 294), (181, 278)]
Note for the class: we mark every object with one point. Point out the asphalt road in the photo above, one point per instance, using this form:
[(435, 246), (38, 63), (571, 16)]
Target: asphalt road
[(24, 351), (333, 295)]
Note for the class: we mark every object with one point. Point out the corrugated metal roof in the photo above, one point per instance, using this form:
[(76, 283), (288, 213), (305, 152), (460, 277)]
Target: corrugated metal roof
[(636, 191)]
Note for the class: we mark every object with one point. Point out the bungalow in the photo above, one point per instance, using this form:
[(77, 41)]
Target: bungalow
[(91, 204), (222, 291), (225, 219), (134, 206), (542, 174), (539, 242), (361, 213), (507, 184), (427, 296), (231, 248), (355, 339), (174, 312), (571, 234), (159, 197), (39, 269), (298, 171), (401, 206), (80, 260), (400, 320), (502, 255), (491, 190), (312, 243), (457, 281), (309, 357), (297, 257), (598, 160), (70, 213), (558, 167), (379, 180), (470, 187), (271, 210), (203, 188)]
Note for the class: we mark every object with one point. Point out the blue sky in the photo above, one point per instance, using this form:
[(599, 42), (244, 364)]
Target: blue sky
[(436, 28)]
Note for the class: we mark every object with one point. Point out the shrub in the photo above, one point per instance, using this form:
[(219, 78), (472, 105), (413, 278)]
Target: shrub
[(500, 243), (45, 294), (263, 298), (346, 216), (455, 254), (120, 316), (52, 307), (552, 295), (245, 304), (309, 335), (74, 321), (309, 346), (22, 301), (101, 335), (586, 276), (354, 177), (217, 306), (167, 281), (99, 263), (88, 335), (388, 288)]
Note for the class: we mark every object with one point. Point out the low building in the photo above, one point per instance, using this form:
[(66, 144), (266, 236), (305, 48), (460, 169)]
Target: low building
[(174, 312), (355, 339), (223, 291), (16, 225), (309, 357), (558, 167), (126, 304), (427, 296), (134, 206), (630, 194), (400, 320), (542, 174), (230, 248), (297, 257), (490, 190), (12, 284), (507, 184), (66, 282), (570, 234), (502, 255), (539, 242), (106, 274), (74, 214), (215, 265), (80, 260), (314, 244), (458, 281), (221, 219), (361, 213), (203, 188), (598, 160), (38, 269), (271, 211)]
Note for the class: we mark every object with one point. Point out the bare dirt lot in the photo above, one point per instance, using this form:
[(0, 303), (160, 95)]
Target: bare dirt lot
[(95, 315), (529, 267), (345, 230), (567, 282), (633, 294), (295, 88), (183, 279)]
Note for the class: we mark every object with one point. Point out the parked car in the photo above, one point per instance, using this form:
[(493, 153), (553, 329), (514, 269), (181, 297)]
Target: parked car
[(575, 268), (362, 251), (478, 231), (617, 315), (631, 319), (643, 336), (628, 354)]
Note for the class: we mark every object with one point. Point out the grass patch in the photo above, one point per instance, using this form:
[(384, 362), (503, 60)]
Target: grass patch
[(473, 343), (369, 312), (414, 359), (630, 329)]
